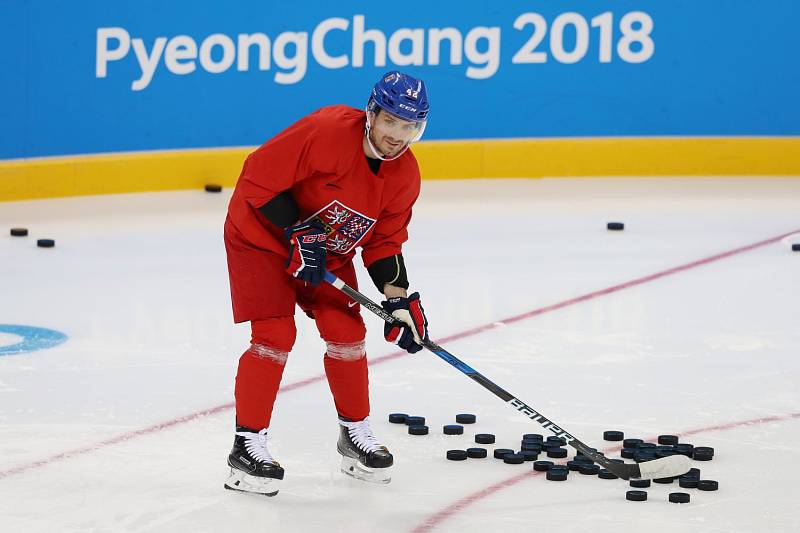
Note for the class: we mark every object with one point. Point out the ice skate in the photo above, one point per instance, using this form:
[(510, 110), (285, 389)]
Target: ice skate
[(363, 457), (252, 467)]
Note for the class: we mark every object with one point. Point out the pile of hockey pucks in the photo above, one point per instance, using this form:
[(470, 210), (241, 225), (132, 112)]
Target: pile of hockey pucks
[(555, 448), (636, 449), (41, 243), (533, 445), (666, 445)]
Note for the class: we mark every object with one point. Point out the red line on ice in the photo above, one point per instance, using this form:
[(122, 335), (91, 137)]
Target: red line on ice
[(456, 507), (386, 358)]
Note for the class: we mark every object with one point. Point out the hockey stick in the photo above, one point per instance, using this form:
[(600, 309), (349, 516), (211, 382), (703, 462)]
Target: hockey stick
[(670, 466)]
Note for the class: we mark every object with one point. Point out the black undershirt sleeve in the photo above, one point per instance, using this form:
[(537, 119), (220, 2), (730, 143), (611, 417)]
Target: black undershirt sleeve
[(281, 210), (391, 270)]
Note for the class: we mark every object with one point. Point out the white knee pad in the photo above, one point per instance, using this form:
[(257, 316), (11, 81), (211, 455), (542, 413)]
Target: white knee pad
[(267, 352), (346, 351)]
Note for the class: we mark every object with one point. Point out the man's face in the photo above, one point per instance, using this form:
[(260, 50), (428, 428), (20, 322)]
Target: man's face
[(390, 134)]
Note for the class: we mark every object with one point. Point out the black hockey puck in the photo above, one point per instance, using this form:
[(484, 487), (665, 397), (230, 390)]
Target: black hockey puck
[(513, 459), (499, 453), (453, 429), (615, 226), (590, 470), (707, 484), (688, 482), (533, 436), (636, 495), (542, 466), (668, 439), (693, 472), (557, 453), (476, 453), (646, 446), (415, 420), (19, 232), (613, 435), (529, 455), (679, 497), (684, 449), (627, 453), (557, 475), (397, 418), (632, 443), (606, 474), (456, 455), (531, 446), (418, 430), (556, 441), (575, 466), (702, 456), (484, 438), (45, 243), (213, 187), (640, 483), (796, 247), (465, 418), (664, 480), (642, 457), (583, 459)]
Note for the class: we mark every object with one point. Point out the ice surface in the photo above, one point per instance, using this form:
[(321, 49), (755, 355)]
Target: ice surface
[(139, 283)]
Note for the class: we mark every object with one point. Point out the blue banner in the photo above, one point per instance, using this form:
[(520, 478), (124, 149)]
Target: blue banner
[(97, 76)]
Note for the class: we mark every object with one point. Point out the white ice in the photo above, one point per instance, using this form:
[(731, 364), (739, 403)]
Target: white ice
[(139, 283)]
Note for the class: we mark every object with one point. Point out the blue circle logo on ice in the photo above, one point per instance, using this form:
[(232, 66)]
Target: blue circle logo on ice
[(16, 339)]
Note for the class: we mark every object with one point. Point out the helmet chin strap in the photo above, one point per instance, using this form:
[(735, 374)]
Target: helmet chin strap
[(374, 150)]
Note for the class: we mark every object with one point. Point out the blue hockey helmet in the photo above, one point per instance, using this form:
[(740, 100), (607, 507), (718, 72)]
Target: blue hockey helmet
[(401, 95)]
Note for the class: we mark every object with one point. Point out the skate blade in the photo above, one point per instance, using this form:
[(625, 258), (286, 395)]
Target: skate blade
[(354, 469), (242, 482)]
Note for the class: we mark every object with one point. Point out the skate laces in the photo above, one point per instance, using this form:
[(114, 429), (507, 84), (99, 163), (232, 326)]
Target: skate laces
[(256, 445), (362, 436)]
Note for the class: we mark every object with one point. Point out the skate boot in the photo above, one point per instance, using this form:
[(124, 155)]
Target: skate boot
[(363, 457), (252, 467)]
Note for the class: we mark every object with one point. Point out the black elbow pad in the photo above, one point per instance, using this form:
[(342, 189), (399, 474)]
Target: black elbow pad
[(391, 270)]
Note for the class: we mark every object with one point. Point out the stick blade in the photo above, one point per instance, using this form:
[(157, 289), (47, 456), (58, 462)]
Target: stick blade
[(674, 465)]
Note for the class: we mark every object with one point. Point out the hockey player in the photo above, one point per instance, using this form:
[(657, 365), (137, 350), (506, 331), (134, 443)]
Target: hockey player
[(338, 179)]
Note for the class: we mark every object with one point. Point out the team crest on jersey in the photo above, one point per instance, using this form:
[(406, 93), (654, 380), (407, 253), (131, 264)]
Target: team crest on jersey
[(345, 227)]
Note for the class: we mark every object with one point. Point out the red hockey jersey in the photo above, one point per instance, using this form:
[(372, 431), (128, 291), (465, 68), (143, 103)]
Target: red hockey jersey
[(321, 160)]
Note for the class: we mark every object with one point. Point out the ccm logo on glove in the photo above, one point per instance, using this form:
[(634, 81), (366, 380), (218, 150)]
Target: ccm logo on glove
[(307, 251), (412, 329), (308, 239)]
